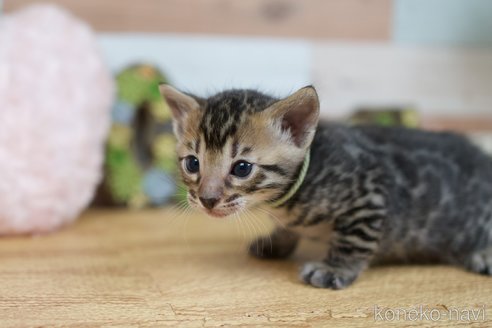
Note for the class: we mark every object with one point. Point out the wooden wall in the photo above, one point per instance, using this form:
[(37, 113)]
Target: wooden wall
[(353, 56), (339, 19)]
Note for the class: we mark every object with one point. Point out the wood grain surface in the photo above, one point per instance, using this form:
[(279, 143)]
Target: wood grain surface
[(156, 268), (354, 19)]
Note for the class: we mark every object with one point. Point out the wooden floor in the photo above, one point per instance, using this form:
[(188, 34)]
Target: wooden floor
[(153, 268)]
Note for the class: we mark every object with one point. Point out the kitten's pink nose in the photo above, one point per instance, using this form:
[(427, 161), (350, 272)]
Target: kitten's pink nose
[(209, 202)]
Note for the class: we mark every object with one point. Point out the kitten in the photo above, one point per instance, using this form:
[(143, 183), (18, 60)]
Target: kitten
[(370, 194)]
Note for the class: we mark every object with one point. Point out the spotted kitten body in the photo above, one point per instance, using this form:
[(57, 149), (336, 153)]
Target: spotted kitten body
[(370, 194)]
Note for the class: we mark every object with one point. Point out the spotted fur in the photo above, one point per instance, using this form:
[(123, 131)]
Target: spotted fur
[(371, 194)]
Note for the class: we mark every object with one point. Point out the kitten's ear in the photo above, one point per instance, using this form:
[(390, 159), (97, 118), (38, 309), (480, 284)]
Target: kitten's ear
[(298, 115), (180, 103)]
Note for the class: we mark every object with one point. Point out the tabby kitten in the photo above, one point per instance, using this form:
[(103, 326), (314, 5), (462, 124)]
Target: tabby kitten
[(370, 194)]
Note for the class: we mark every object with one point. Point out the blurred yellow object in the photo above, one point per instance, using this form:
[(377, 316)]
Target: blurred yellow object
[(386, 116), (120, 136)]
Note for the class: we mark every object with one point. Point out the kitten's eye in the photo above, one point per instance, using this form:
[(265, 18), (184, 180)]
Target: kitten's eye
[(241, 169), (192, 164)]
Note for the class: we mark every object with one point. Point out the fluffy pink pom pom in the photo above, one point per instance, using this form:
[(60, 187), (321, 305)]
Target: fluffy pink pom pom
[(55, 100)]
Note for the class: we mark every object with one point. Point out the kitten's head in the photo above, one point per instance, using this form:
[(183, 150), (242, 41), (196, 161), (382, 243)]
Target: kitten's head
[(239, 148)]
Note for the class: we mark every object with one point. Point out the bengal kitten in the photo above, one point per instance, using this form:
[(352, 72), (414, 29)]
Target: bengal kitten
[(368, 193)]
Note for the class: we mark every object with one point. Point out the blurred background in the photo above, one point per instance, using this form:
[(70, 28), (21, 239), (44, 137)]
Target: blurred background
[(82, 123), (432, 55), (420, 63)]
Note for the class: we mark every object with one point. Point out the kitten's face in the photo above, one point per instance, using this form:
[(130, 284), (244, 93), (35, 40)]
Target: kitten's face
[(240, 148)]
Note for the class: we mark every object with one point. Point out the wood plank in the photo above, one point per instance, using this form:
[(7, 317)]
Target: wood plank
[(464, 124), (154, 268), (437, 81), (345, 19)]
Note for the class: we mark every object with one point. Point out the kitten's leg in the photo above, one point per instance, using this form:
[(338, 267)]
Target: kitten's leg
[(352, 246), (480, 262), (280, 244)]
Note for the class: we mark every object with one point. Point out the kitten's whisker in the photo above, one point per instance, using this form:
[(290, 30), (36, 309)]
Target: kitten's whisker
[(183, 202), (272, 216), (264, 227), (236, 220), (259, 235), (167, 178), (178, 213), (180, 209), (243, 230), (188, 218), (248, 213), (182, 193), (250, 231), (176, 209)]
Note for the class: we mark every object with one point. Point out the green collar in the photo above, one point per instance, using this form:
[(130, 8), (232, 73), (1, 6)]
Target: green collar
[(295, 186)]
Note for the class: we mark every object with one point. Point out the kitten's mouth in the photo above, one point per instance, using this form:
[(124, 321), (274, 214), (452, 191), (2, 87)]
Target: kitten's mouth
[(221, 213), (217, 214)]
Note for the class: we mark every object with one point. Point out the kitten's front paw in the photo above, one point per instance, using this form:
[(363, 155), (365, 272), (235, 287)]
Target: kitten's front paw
[(322, 275)]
